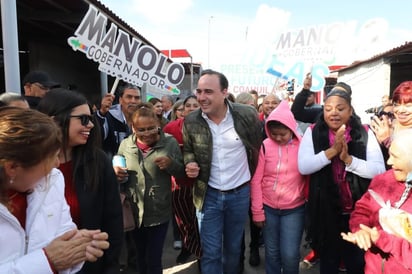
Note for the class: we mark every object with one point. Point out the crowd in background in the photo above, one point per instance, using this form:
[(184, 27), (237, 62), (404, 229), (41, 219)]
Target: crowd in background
[(205, 163)]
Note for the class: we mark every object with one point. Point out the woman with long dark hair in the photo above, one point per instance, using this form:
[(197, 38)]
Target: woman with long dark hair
[(37, 232), (91, 188)]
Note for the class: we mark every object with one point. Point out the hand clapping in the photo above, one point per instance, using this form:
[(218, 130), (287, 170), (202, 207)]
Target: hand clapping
[(363, 238), (76, 246)]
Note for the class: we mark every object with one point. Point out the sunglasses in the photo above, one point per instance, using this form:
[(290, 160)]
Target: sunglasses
[(84, 119)]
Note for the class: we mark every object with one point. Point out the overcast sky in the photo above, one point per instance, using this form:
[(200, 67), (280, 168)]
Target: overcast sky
[(231, 36), (205, 28)]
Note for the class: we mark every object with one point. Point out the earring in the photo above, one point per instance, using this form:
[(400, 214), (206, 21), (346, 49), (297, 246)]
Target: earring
[(11, 181)]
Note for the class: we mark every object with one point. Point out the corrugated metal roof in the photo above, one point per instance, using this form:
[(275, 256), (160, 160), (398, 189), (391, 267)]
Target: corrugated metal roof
[(406, 47), (53, 21)]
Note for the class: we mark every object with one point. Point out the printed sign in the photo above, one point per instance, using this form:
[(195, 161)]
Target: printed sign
[(133, 62), (289, 54)]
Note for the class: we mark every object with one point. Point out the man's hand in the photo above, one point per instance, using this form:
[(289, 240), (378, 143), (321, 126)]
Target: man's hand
[(106, 103), (192, 170)]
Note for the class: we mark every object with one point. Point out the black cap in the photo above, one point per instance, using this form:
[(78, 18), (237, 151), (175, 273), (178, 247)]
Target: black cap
[(40, 77)]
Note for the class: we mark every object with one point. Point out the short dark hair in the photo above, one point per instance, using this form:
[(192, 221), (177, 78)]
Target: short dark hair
[(169, 97), (122, 88), (154, 100), (224, 83), (188, 97), (276, 124)]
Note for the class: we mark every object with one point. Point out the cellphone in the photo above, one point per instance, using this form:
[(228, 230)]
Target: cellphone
[(390, 115)]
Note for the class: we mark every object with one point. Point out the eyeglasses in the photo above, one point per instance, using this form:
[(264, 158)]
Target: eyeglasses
[(180, 109), (147, 131), (40, 86), (84, 119)]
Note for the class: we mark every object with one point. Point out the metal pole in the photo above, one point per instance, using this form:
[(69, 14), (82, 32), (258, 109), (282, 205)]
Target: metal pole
[(191, 75), (10, 46)]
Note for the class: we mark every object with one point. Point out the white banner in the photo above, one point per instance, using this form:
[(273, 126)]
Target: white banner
[(132, 62)]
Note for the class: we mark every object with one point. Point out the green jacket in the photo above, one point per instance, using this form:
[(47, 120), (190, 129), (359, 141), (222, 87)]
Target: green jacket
[(149, 187), (197, 143)]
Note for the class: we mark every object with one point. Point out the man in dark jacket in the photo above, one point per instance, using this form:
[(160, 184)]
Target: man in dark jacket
[(221, 144), (115, 120), (299, 108)]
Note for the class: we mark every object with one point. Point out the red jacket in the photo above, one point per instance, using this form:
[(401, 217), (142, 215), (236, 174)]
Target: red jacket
[(396, 250)]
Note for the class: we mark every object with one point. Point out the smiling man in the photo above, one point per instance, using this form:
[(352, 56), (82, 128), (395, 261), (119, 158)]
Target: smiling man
[(221, 143), (115, 120)]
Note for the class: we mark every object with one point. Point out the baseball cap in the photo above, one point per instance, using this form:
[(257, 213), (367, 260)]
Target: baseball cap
[(40, 77)]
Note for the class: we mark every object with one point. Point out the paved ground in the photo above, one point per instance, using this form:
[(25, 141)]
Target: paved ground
[(170, 267)]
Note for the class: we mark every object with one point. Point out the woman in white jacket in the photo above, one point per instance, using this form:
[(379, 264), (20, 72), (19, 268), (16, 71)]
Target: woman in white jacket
[(37, 232)]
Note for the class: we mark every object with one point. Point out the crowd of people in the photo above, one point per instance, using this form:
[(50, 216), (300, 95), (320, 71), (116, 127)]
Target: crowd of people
[(207, 163)]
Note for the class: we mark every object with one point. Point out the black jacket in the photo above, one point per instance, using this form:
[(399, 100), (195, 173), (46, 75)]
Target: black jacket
[(306, 115), (101, 209), (113, 128), (324, 207)]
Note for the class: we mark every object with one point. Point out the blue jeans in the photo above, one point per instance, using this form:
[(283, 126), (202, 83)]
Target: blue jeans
[(222, 222), (283, 234)]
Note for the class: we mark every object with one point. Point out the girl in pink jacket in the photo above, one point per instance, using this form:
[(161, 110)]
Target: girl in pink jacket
[(277, 193)]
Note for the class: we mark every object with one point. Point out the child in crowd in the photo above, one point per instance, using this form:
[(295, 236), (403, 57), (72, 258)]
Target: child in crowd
[(278, 200)]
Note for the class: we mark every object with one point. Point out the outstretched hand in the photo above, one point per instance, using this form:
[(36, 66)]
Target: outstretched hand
[(363, 238), (382, 127), (106, 103), (307, 83)]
